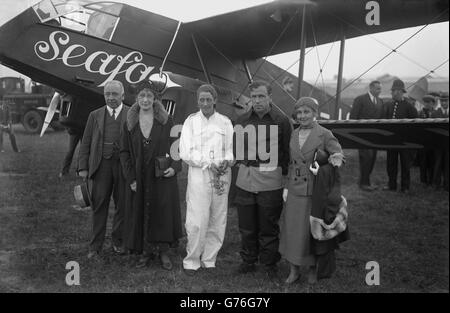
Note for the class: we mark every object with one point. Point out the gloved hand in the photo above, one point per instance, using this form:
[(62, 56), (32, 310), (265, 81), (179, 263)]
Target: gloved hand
[(285, 194)]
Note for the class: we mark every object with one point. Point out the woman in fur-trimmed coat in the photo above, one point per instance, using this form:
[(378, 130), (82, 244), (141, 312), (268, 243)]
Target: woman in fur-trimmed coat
[(152, 214)]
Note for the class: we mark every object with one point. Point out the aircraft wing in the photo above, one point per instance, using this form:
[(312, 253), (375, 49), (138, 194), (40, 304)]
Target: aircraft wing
[(274, 27), (390, 134)]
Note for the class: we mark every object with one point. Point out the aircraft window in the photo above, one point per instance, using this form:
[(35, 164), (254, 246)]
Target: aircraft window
[(101, 25), (45, 10), (169, 106), (97, 19), (106, 7)]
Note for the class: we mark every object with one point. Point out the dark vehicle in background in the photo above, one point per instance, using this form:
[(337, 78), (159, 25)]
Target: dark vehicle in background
[(27, 108)]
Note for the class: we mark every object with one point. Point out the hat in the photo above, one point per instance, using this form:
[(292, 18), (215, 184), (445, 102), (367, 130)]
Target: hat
[(398, 84), (428, 98), (146, 84), (81, 194), (444, 95), (307, 101)]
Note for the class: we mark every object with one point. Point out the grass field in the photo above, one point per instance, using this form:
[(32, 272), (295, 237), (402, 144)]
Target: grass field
[(41, 230)]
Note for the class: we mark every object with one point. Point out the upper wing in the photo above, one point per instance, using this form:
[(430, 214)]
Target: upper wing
[(274, 27)]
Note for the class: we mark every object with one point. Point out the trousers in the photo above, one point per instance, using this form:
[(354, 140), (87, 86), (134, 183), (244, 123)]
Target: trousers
[(107, 180), (206, 218)]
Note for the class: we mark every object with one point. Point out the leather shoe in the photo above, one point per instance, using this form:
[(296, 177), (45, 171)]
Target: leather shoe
[(190, 272), (292, 279), (165, 261), (245, 268), (367, 188), (312, 275), (118, 250), (143, 262), (271, 271), (93, 256)]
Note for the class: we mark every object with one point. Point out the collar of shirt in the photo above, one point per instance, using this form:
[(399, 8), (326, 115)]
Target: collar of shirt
[(118, 109), (372, 97), (205, 118), (271, 113)]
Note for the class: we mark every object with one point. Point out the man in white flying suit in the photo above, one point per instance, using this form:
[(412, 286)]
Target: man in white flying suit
[(206, 145)]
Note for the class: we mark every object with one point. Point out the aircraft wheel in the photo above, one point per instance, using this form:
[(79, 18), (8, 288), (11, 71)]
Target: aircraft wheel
[(33, 121)]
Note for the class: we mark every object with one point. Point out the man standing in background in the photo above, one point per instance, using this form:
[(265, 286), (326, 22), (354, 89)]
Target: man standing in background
[(399, 108), (6, 126), (367, 106)]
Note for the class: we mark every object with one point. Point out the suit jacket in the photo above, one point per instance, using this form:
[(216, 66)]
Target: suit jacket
[(301, 180), (91, 148), (364, 108)]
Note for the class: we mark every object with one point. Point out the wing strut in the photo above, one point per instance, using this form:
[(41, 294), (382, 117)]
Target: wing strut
[(301, 66), (205, 70), (339, 79), (247, 71)]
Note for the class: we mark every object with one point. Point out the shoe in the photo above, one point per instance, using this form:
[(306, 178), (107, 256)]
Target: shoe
[(118, 250), (367, 188), (165, 261), (271, 271), (245, 268), (189, 272), (387, 188), (209, 269), (93, 255), (292, 279), (142, 262), (312, 275)]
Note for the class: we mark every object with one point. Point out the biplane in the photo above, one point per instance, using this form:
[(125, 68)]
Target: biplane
[(77, 46)]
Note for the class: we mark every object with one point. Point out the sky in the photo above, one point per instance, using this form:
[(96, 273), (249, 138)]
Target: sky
[(416, 58)]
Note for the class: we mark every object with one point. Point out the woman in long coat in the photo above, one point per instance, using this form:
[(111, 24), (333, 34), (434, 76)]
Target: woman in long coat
[(295, 236), (152, 214)]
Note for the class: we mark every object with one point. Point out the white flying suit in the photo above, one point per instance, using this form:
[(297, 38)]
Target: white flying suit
[(203, 142)]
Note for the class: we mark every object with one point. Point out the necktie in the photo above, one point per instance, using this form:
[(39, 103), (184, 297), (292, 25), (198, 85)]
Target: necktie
[(114, 114)]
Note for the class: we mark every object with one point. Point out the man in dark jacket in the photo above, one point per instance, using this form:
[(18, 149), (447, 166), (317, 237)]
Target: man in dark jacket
[(261, 179), (6, 126), (99, 161), (367, 106), (427, 156), (399, 108)]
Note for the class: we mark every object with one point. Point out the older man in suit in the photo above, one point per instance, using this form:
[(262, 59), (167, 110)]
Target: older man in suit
[(367, 106), (99, 162)]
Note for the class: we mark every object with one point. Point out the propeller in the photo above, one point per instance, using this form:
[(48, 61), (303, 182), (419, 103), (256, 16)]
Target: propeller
[(50, 112)]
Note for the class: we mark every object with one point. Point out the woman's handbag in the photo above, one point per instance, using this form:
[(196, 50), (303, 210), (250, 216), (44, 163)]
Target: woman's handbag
[(161, 165)]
